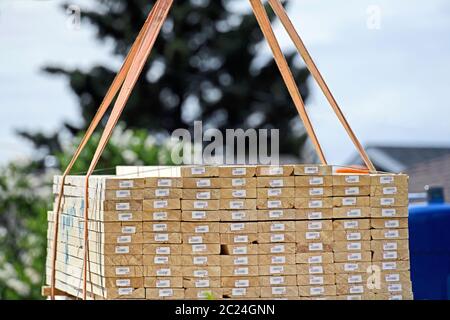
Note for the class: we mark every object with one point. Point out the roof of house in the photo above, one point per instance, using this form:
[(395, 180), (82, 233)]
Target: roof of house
[(433, 173), (399, 158)]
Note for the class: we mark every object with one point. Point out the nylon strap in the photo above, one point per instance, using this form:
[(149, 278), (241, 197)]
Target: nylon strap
[(286, 73), (162, 8), (289, 26), (112, 92)]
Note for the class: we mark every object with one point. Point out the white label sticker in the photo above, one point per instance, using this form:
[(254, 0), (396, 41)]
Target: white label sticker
[(200, 273), (123, 206), (354, 213), (274, 281), (274, 192), (122, 250), (240, 261), (316, 280), (160, 204), (274, 204), (239, 171), (197, 248), (124, 239), (161, 237), (316, 181), (388, 212), (237, 226), (354, 256), (237, 205), (387, 201), (315, 215), (317, 291), (395, 287), (315, 270), (393, 277), (276, 237), (316, 192), (317, 225), (123, 193), (198, 215), (390, 246), (392, 224), (165, 272), (195, 240), (278, 183), (243, 283), (238, 182), (240, 250), (351, 224), (390, 255), (160, 216), (354, 246), (202, 229), (123, 282), (386, 180), (355, 279), (241, 239), (279, 291), (278, 259), (349, 201), (351, 267), (122, 271), (352, 179), (129, 230), (275, 171), (311, 170), (205, 195), (276, 269), (353, 191), (162, 250), (162, 192), (274, 227), (354, 236), (201, 204), (239, 193), (315, 204), (126, 184), (278, 249), (389, 265), (315, 247), (315, 259), (238, 215), (241, 271), (390, 190), (312, 235), (164, 183), (200, 260), (198, 170), (276, 214), (161, 260), (238, 292), (204, 183), (125, 216), (165, 293), (162, 283), (125, 291), (202, 283), (160, 227), (391, 234), (356, 289)]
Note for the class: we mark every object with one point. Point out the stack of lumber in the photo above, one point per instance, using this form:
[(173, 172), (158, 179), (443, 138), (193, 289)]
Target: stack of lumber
[(234, 232)]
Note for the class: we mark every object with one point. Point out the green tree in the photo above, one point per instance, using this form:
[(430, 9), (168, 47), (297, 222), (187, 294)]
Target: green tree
[(205, 66)]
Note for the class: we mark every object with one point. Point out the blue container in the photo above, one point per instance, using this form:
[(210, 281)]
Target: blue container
[(429, 232)]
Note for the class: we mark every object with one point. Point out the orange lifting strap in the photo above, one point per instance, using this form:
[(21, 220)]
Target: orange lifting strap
[(128, 75)]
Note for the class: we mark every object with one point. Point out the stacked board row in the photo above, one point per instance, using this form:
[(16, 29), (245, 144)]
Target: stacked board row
[(250, 232)]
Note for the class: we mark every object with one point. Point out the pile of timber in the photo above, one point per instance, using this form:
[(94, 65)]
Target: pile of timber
[(234, 232)]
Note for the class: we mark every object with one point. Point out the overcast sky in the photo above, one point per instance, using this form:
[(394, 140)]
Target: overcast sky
[(390, 75)]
